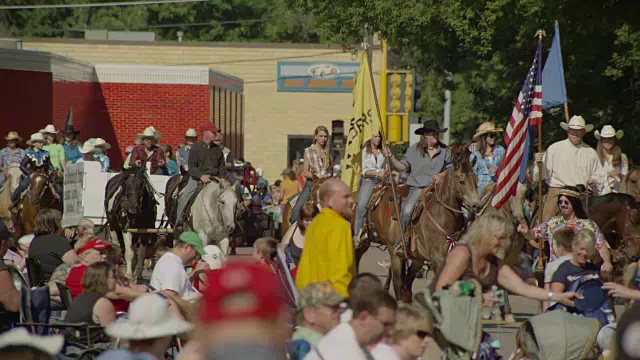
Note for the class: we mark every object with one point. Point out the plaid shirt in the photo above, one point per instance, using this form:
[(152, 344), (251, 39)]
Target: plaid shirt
[(9, 157), (156, 158), (316, 163)]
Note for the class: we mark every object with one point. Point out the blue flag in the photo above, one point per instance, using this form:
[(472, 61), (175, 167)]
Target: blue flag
[(554, 92)]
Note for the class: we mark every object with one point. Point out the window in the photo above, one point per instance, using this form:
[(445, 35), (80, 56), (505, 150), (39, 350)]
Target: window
[(296, 146)]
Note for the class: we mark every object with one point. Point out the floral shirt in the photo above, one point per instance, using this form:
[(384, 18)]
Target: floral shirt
[(103, 159), (547, 229), (482, 166), (9, 157)]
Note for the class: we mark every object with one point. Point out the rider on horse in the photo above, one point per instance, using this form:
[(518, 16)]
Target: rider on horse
[(205, 160), (424, 162), (35, 159), (182, 155), (12, 154)]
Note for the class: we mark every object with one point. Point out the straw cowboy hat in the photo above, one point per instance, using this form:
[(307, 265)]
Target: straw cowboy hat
[(151, 132), (100, 143), (49, 129), (191, 132), (577, 123), (608, 132), (149, 318), (13, 135), (486, 127), (88, 147), (35, 138)]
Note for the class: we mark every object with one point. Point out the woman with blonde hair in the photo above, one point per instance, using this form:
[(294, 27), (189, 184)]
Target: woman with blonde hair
[(52, 145), (614, 162), (373, 172), (317, 164), (475, 258), (410, 336)]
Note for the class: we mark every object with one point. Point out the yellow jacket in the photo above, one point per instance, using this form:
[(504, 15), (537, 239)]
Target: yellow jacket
[(328, 253)]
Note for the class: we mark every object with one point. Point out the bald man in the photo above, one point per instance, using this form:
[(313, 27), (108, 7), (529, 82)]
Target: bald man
[(328, 247)]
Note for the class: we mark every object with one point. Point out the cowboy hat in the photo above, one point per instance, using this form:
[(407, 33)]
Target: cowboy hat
[(486, 128), (430, 125), (88, 147), (608, 132), (102, 144), (69, 129), (35, 137), (21, 337), (156, 133), (13, 135), (149, 318), (191, 132), (148, 132), (577, 123), (49, 129)]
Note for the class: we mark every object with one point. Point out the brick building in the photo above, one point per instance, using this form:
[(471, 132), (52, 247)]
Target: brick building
[(116, 102), (277, 121)]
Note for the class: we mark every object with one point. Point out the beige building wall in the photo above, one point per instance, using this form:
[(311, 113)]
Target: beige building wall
[(270, 116)]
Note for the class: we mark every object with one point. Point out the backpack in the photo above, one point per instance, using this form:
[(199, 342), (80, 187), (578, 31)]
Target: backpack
[(595, 304)]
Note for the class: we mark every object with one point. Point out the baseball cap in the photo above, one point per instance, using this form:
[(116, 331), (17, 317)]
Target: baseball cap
[(321, 293), (192, 239), (241, 290), (20, 337), (94, 244), (209, 127)]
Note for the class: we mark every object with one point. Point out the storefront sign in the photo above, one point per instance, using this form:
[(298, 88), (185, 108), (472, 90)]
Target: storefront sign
[(316, 76)]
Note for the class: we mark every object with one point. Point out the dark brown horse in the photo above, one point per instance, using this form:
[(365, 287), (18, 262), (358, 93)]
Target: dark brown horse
[(313, 198), (437, 216), (130, 203), (41, 195)]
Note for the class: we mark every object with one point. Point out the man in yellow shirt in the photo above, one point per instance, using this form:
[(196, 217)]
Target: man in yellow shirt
[(328, 250)]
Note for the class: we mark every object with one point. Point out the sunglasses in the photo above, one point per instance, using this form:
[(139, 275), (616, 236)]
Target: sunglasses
[(423, 334), (491, 136), (563, 202)]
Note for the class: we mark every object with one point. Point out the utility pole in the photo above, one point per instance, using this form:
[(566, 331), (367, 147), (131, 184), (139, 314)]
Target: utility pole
[(447, 107), (368, 40)]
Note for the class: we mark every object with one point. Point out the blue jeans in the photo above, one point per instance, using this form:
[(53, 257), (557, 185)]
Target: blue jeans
[(304, 196), (364, 195), (24, 184), (407, 209)]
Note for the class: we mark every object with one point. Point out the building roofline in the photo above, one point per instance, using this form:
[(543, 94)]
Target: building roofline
[(193, 43)]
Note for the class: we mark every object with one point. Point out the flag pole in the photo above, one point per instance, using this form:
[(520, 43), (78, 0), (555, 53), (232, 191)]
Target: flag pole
[(540, 267), (384, 144)]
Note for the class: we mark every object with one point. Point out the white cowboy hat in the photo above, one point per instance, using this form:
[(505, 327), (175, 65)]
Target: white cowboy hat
[(102, 144), (156, 133), (577, 123), (35, 137), (149, 318), (49, 129), (191, 132), (608, 132), (486, 128), (13, 135), (151, 132), (88, 147), (20, 337)]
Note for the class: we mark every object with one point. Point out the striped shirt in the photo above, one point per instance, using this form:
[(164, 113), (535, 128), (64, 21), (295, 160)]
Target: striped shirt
[(9, 157), (316, 163)]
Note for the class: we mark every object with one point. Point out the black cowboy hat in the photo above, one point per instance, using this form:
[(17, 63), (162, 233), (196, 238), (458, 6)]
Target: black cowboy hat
[(69, 129), (430, 125)]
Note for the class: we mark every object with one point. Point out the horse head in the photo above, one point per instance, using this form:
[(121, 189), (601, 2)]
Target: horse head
[(464, 180), (134, 189), (631, 183), (225, 199), (13, 176), (38, 184)]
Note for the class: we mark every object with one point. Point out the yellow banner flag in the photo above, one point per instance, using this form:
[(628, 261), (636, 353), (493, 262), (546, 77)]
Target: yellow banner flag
[(363, 124)]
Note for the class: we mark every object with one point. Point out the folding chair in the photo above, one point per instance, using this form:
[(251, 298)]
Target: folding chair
[(65, 295), (34, 272)]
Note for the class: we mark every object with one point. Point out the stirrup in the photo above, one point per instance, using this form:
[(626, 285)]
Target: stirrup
[(399, 251)]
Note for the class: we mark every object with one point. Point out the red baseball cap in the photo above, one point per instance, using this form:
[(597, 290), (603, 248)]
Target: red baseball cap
[(241, 290), (94, 244), (209, 127)]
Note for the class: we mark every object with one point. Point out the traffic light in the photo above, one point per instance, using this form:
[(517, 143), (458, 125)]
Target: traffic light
[(417, 94), (337, 132)]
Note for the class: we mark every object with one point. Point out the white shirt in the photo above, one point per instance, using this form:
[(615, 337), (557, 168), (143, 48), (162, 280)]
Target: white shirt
[(568, 164), (613, 183), (383, 351), (371, 162), (339, 343), (169, 274)]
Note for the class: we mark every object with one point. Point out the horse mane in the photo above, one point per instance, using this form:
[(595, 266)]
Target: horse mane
[(631, 171), (460, 156)]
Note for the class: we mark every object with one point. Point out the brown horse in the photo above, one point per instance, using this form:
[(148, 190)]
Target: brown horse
[(41, 195), (313, 198), (10, 184), (437, 216), (631, 183)]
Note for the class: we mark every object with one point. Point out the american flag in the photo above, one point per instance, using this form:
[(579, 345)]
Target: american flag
[(527, 112)]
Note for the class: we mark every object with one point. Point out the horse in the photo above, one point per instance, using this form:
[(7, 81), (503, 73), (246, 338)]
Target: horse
[(130, 203), (437, 217), (631, 183), (10, 185), (41, 195), (313, 198)]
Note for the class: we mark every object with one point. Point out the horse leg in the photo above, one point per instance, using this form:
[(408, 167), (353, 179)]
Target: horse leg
[(128, 254), (387, 283), (397, 267), (413, 270), (224, 246), (141, 256)]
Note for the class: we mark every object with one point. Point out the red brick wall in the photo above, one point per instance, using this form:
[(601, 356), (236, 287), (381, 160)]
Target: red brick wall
[(25, 102), (170, 108)]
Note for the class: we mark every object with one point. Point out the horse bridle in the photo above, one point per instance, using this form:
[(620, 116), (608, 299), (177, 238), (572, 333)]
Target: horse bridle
[(40, 193)]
